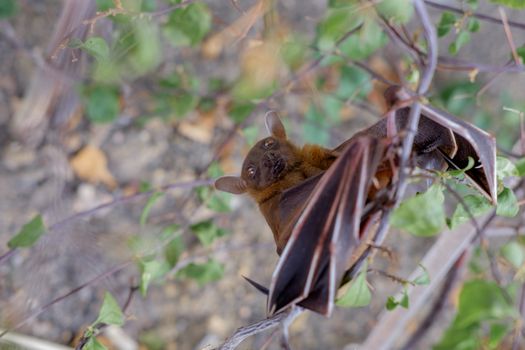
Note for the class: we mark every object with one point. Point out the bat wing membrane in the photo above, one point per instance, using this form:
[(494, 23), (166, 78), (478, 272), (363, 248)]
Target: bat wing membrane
[(323, 235), (472, 142)]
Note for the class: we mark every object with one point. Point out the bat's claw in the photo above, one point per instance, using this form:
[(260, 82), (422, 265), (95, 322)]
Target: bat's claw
[(257, 285)]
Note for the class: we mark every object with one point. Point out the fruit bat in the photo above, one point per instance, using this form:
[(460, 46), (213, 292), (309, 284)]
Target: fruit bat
[(321, 203)]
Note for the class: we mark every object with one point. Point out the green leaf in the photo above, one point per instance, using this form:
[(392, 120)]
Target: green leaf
[(513, 253), (481, 300), (421, 215), (505, 168), (365, 42), (392, 303), (97, 47), (147, 208), (461, 40), (94, 344), (520, 167), (469, 166), (152, 340), (240, 111), (170, 231), (293, 53), (335, 25), (446, 23), (147, 47), (110, 312), (102, 105), (521, 53), (400, 11), (404, 302), (203, 273), (215, 200), (183, 103), (515, 4), (358, 294), (507, 203), (188, 26), (152, 270), (424, 279), (206, 231), (219, 202), (8, 8), (354, 83), (174, 250), (473, 25), (477, 205), (148, 5), (104, 5), (473, 4), (498, 331), (28, 234)]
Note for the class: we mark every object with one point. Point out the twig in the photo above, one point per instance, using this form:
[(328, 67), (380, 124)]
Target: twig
[(449, 63), (282, 318), (438, 261), (437, 307), (508, 35), (125, 199), (424, 84), (474, 14), (43, 308), (7, 254), (100, 326)]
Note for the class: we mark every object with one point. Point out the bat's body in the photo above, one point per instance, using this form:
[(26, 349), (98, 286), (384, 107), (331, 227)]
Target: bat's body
[(320, 203), (273, 166)]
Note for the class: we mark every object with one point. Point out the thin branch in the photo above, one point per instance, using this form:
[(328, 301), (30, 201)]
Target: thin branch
[(437, 307), (474, 14), (454, 64), (432, 55), (100, 326), (125, 199), (508, 35), (283, 318), (43, 308), (424, 84), (7, 254), (438, 261)]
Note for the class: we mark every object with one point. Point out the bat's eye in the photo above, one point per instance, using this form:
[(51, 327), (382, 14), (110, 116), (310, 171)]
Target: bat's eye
[(268, 143), (251, 171)]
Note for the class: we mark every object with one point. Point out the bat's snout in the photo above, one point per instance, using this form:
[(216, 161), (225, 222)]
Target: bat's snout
[(274, 163)]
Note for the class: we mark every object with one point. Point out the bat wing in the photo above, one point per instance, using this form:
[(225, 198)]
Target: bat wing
[(325, 230), (471, 142)]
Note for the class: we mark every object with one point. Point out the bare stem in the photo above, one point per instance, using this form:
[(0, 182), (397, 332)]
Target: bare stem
[(284, 318), (473, 14)]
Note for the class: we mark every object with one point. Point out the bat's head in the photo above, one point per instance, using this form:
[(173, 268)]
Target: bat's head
[(267, 162)]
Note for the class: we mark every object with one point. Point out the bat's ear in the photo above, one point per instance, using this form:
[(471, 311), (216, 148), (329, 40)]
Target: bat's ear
[(232, 184), (274, 125)]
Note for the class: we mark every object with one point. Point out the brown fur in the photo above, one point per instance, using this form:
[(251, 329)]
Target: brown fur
[(310, 160)]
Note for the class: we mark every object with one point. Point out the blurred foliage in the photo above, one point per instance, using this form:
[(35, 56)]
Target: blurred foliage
[(483, 319), (109, 314), (166, 55), (8, 8), (29, 234)]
